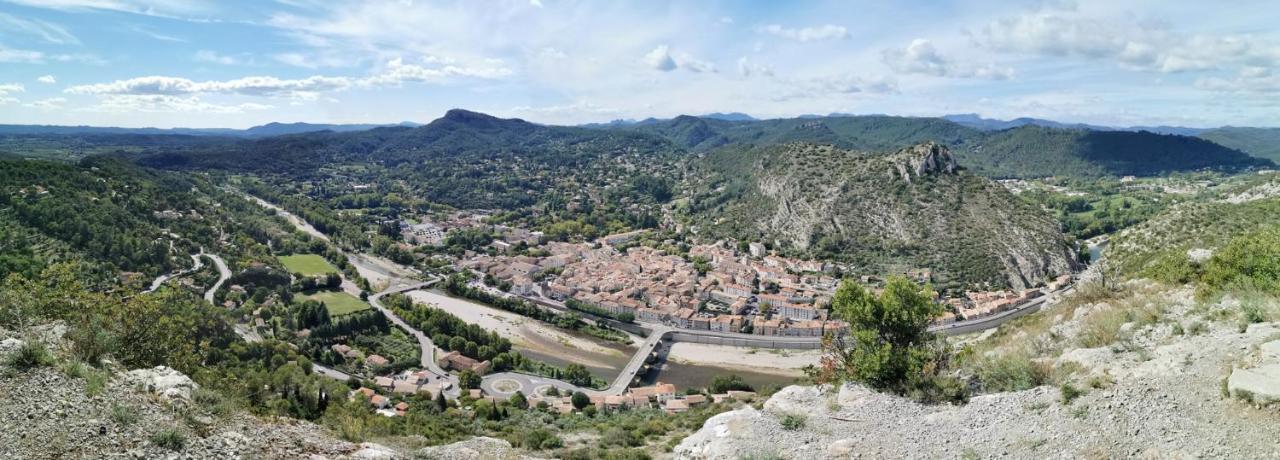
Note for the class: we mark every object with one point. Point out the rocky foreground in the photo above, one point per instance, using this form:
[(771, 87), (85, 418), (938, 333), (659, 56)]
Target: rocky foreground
[(1164, 395)]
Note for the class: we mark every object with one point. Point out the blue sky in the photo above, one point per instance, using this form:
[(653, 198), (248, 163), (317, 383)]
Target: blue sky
[(205, 63)]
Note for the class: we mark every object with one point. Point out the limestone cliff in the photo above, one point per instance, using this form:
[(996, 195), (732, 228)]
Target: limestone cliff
[(912, 209)]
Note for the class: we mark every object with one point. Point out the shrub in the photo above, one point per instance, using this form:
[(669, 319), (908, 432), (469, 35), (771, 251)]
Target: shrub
[(1102, 328), (30, 355), (1013, 372), (1197, 328), (123, 415), (95, 382), (169, 439), (792, 422), (1250, 261), (1070, 393), (725, 383)]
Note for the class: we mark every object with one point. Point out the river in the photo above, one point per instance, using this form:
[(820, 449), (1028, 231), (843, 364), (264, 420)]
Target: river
[(602, 358)]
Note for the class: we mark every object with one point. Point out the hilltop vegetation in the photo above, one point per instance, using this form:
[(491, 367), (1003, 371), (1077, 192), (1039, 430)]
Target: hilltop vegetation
[(1259, 142)]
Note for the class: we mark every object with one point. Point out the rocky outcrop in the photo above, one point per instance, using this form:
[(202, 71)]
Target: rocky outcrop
[(1161, 398), (881, 213), (163, 381), (1259, 380), (926, 159), (480, 448)]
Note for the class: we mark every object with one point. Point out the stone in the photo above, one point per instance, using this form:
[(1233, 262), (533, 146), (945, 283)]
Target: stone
[(841, 448), (163, 381)]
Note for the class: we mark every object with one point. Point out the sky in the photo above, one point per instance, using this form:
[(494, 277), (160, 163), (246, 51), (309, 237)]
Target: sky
[(235, 64)]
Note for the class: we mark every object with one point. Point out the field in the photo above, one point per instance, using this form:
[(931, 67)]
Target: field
[(338, 303), (307, 264)]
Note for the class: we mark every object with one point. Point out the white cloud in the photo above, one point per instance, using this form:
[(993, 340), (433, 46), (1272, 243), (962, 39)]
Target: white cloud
[(831, 85), (128, 103), (47, 79), (313, 61), (394, 73), (158, 36), (6, 88), (536, 3), (726, 20), (1250, 81), (746, 68), (806, 34), (20, 56), (576, 109), (173, 86), (214, 58), (660, 59), (920, 57), (46, 31), (1139, 45), (397, 71), (165, 8), (52, 103)]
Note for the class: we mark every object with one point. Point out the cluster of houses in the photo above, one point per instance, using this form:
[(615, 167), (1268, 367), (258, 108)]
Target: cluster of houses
[(976, 305), (404, 384), (780, 296), (457, 362), (372, 361)]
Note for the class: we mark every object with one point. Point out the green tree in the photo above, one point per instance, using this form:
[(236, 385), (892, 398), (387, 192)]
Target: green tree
[(468, 380), (580, 400), (518, 400), (889, 346)]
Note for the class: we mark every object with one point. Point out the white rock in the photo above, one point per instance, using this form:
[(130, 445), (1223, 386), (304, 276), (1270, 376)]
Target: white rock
[(841, 449), (728, 435), (797, 399), (10, 344), (371, 451), (168, 383), (1199, 255)]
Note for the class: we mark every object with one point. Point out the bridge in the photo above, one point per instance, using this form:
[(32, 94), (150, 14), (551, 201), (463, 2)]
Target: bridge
[(638, 361)]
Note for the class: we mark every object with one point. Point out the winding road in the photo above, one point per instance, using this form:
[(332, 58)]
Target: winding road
[(224, 274)]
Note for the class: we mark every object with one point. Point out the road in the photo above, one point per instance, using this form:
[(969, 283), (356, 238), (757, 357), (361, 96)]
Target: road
[(637, 363), (424, 342), (197, 264), (224, 274)]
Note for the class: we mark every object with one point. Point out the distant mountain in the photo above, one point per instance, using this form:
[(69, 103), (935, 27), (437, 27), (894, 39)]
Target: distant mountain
[(276, 129), (881, 213), (1036, 151), (270, 129), (731, 116), (1027, 150), (464, 159), (975, 121), (1258, 142)]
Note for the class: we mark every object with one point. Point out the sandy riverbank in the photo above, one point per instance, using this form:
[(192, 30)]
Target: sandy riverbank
[(524, 332), (761, 360)]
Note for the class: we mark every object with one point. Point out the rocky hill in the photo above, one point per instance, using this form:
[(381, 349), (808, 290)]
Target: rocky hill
[(1168, 387), (911, 209), (57, 409)]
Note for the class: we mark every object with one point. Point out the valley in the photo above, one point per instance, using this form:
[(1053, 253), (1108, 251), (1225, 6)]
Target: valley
[(616, 276)]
